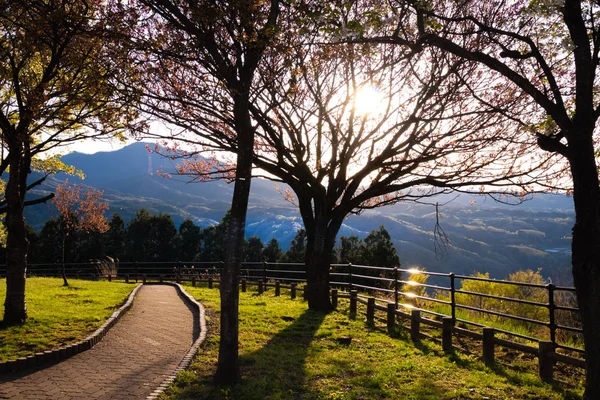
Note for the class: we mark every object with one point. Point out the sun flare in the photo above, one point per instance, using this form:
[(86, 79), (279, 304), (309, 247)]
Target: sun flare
[(368, 100)]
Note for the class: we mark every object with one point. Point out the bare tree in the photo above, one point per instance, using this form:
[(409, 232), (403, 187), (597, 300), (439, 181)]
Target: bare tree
[(546, 52), (425, 135), (198, 66)]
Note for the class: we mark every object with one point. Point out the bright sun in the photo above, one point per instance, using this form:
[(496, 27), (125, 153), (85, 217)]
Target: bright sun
[(368, 100)]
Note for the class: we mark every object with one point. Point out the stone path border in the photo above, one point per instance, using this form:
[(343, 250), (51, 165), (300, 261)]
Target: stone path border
[(51, 357), (41, 361), (188, 358)]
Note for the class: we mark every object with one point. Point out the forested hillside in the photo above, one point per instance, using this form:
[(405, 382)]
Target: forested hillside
[(483, 235)]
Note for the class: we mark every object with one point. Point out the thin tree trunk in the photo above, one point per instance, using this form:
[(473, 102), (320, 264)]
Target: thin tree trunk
[(64, 272), (15, 307), (228, 371)]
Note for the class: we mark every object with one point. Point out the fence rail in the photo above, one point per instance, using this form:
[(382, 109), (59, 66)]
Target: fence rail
[(552, 323)]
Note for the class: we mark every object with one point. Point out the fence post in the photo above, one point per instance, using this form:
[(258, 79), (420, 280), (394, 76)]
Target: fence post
[(396, 287), (551, 308), (264, 271), (334, 298), (447, 334), (243, 285), (210, 282), (305, 292), (353, 301), (371, 310), (126, 278), (453, 297), (391, 317), (415, 325), (546, 362), (161, 279), (350, 276), (144, 279), (109, 277), (260, 287), (293, 290), (136, 271), (277, 288), (193, 281), (488, 346)]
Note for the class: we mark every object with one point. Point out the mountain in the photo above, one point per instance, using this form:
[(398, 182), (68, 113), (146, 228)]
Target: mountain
[(484, 235)]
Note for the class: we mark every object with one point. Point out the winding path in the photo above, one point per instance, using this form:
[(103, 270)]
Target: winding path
[(134, 357)]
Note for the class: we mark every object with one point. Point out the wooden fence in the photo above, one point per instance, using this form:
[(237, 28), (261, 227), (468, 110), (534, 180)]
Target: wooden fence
[(379, 290)]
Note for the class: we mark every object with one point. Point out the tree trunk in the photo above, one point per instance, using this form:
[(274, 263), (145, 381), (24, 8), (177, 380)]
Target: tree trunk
[(15, 307), (586, 258), (319, 251), (228, 371), (64, 271)]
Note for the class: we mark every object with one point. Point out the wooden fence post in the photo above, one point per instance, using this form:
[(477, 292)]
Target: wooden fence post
[(277, 288), (415, 325), (144, 279), (391, 317), (260, 287), (334, 298), (161, 279), (193, 281), (243, 285), (210, 282), (353, 301), (546, 369), (109, 277), (447, 334), (488, 346), (371, 310), (305, 293), (293, 290)]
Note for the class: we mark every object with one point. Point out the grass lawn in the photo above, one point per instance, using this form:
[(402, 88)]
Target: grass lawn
[(59, 315), (288, 352)]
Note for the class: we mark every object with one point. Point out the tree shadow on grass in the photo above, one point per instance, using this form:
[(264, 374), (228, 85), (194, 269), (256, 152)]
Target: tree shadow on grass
[(277, 370)]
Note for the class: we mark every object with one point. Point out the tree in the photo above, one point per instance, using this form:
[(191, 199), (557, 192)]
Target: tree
[(297, 250), (199, 74), (56, 71), (253, 249), (272, 252), (351, 250), (379, 250), (79, 210), (422, 139), (115, 240), (49, 245), (546, 54), (151, 237), (191, 237)]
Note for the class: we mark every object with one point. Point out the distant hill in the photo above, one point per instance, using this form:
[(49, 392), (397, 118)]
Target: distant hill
[(485, 236)]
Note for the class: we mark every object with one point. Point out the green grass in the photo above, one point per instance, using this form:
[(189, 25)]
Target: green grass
[(288, 352), (59, 315)]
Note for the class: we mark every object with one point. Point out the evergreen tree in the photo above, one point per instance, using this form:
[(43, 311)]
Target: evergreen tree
[(351, 250), (49, 243), (190, 237), (272, 252), (116, 238), (297, 251), (379, 250), (253, 249)]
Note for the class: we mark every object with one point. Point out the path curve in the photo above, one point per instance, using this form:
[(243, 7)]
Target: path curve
[(134, 357)]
